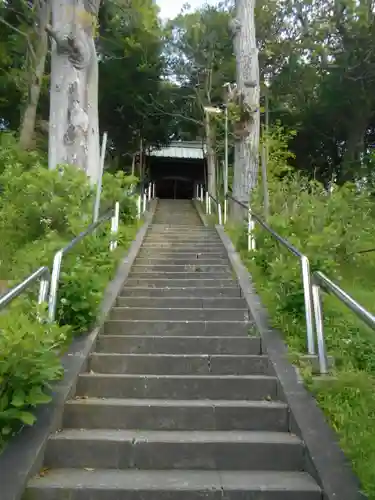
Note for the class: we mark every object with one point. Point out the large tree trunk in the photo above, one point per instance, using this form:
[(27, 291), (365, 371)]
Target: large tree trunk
[(211, 157), (73, 128), (37, 67), (246, 160)]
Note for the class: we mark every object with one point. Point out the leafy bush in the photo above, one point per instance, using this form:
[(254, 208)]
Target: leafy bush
[(332, 228), (29, 362), (40, 212)]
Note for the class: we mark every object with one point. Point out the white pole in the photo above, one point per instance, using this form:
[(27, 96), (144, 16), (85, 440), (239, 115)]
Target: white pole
[(139, 206), (149, 191), (144, 201), (226, 153), (207, 202), (100, 177)]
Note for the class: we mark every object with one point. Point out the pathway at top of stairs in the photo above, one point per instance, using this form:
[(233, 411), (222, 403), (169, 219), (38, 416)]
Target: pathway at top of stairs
[(178, 402)]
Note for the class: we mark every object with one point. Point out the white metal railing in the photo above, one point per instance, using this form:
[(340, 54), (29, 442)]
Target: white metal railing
[(146, 194), (113, 216), (209, 200), (42, 275), (321, 282), (305, 267)]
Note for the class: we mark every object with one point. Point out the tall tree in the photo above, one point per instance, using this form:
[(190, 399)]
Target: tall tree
[(74, 124), (246, 159)]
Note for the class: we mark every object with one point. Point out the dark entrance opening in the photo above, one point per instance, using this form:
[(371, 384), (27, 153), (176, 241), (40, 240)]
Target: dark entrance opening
[(175, 188), (177, 169)]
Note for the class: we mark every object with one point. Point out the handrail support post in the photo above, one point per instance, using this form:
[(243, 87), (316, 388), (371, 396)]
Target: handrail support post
[(322, 354), (306, 281), (54, 285)]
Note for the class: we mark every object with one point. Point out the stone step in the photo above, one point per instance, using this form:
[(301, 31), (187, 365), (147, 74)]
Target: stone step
[(179, 364), (193, 261), (163, 450), (181, 275), (157, 314), (76, 484), (189, 292), (180, 283), (180, 328), (140, 344), (159, 414), (176, 254), (183, 245), (247, 387), (182, 240), (195, 267), (184, 302)]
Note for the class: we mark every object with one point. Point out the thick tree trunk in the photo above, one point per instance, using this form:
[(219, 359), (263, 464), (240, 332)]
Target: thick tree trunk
[(37, 67), (73, 128), (211, 157), (246, 162)]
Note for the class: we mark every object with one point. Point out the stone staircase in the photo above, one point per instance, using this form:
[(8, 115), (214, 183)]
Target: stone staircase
[(179, 402)]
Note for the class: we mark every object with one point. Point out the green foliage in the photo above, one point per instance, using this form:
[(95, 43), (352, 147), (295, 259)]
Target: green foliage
[(331, 228), (40, 212), (29, 362)]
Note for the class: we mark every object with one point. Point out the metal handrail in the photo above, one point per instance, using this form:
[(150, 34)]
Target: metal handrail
[(113, 215), (209, 197), (305, 268), (321, 282), (41, 274)]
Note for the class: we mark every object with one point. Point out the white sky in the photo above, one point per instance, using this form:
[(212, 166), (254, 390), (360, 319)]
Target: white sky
[(171, 8)]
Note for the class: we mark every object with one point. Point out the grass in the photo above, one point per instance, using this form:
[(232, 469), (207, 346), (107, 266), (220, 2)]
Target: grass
[(348, 398)]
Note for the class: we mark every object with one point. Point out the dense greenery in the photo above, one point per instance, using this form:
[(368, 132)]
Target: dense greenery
[(41, 211), (332, 229)]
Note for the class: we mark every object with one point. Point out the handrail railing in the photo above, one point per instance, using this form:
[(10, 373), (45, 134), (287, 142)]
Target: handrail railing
[(321, 282), (305, 268), (113, 215), (209, 197), (41, 274)]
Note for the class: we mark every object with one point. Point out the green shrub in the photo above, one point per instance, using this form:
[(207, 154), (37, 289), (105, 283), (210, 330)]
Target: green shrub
[(29, 362), (331, 228), (40, 212)]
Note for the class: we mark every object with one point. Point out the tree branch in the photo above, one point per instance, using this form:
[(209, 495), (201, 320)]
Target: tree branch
[(25, 35)]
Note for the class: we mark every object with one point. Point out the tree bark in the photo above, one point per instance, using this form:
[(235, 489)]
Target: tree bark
[(246, 162), (211, 157), (37, 68), (74, 124)]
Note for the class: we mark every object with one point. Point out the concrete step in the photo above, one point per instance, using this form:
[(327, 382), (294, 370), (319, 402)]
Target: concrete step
[(160, 414), (184, 302), (163, 450), (194, 267), (180, 283), (186, 246), (247, 387), (178, 328), (189, 241), (76, 484), (158, 314), (180, 364), (182, 275), (194, 261), (177, 254), (140, 344), (189, 292)]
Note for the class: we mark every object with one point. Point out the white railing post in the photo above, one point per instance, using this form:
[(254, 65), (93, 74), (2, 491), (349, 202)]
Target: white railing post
[(250, 232), (322, 354), (219, 213), (202, 193), (139, 206), (206, 202), (209, 205), (144, 201), (149, 191), (225, 211), (54, 285), (114, 227), (153, 189), (43, 290), (306, 282)]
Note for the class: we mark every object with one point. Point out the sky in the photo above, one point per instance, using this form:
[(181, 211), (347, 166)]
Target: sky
[(171, 8)]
